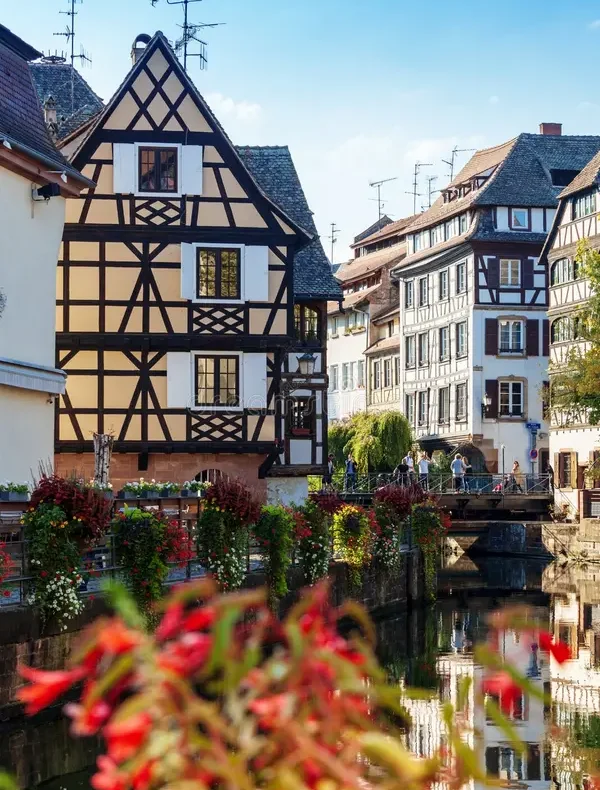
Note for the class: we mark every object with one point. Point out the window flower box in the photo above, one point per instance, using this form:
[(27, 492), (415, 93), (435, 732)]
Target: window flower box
[(14, 492), (300, 431)]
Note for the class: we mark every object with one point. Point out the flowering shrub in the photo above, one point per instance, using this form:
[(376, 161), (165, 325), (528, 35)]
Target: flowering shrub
[(328, 502), (393, 505), (398, 500), (313, 541), (6, 568), (142, 487), (54, 560), (429, 525), (274, 532), (351, 539), (229, 509), (86, 509), (145, 542)]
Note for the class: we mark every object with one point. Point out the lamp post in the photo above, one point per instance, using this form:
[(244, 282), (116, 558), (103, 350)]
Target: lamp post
[(485, 405), (306, 364)]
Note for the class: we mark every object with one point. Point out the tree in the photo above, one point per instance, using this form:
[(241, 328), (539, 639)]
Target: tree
[(575, 382), (377, 440)]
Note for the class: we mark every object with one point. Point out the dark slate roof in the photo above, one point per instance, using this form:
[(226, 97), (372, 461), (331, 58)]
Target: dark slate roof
[(21, 117), (72, 109), (587, 178), (485, 231), (273, 169), (381, 223)]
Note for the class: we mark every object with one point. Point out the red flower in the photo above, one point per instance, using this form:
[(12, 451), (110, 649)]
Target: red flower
[(272, 711), (43, 574), (200, 619), (502, 686), (124, 738), (45, 686), (116, 638), (559, 650), (108, 777), (171, 622), (186, 656), (6, 593), (87, 721)]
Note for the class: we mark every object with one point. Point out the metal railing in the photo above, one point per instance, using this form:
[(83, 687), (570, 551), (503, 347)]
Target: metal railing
[(444, 483)]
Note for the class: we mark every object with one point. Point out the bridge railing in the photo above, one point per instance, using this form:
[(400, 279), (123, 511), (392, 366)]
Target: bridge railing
[(477, 484)]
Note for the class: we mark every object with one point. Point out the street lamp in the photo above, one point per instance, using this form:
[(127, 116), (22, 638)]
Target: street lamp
[(485, 404), (306, 364)]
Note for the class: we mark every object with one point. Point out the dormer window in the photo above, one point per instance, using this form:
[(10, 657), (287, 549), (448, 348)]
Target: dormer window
[(519, 218), (583, 205), (158, 169)]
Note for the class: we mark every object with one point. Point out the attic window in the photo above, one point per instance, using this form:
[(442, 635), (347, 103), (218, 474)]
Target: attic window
[(158, 169), (562, 178)]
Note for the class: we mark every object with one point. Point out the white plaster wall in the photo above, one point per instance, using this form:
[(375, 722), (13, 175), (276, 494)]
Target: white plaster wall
[(287, 490), (26, 433), (341, 403), (29, 248), (578, 440)]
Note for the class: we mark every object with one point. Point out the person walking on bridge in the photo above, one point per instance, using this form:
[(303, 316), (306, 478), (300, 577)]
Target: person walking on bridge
[(350, 473)]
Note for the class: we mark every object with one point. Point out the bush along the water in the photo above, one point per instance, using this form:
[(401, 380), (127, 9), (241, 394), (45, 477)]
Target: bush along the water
[(352, 538), (145, 542), (229, 510), (392, 505), (429, 525), (313, 541), (54, 558), (274, 533)]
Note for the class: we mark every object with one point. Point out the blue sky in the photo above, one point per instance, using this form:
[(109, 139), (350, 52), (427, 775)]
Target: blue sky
[(360, 89)]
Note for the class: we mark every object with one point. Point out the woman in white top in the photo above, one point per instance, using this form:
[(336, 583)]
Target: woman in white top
[(424, 471), (408, 460)]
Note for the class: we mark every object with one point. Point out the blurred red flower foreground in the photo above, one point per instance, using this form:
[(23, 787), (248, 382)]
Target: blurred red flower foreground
[(223, 694)]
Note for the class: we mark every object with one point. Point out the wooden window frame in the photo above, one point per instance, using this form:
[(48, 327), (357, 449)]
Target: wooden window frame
[(444, 400), (423, 360), (424, 302), (387, 373), (409, 288), (461, 267), (511, 351), (510, 261), (581, 200), (157, 150), (410, 365), (465, 352), (376, 381), (444, 332), (294, 430), (333, 377), (563, 265), (461, 416), (422, 397), (397, 371), (216, 404), (218, 252), (443, 275), (511, 414), (511, 224), (300, 332), (409, 407)]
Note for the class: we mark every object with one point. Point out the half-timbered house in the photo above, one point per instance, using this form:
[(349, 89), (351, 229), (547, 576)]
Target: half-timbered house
[(35, 183), (574, 442), (474, 335), (190, 281)]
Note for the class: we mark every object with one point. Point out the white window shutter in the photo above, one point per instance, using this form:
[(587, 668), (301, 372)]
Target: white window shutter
[(256, 274), (124, 171), (188, 271), (191, 170), (179, 380), (254, 388)]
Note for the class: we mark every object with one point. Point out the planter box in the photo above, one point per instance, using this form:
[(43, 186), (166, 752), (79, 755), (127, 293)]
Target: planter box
[(108, 495), (185, 492), (13, 496)]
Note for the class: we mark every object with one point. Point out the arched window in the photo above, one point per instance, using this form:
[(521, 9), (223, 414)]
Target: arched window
[(210, 476), (563, 271), (563, 330), (307, 325)]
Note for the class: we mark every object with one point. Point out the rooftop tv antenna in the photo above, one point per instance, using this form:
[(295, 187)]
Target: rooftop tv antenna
[(414, 192), (430, 191), (333, 238), (378, 185), (69, 34), (189, 34), (450, 162)]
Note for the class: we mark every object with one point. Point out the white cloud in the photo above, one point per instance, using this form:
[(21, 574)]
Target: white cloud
[(494, 99), (226, 107), (594, 25)]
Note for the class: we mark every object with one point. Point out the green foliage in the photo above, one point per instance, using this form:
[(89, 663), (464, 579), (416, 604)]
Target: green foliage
[(54, 560), (428, 526), (274, 532), (574, 383), (313, 540), (377, 440), (222, 544), (351, 539)]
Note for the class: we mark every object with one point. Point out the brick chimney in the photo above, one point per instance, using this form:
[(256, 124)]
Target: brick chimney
[(551, 128), (139, 46)]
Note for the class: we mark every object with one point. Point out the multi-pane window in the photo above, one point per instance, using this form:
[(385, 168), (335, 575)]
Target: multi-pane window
[(461, 277), (409, 294), (564, 329), (511, 337), (565, 470), (423, 292), (301, 414), (360, 377), (409, 345), (387, 372), (390, 328), (217, 381), (463, 222), (409, 407), (397, 370), (422, 408), (218, 273), (158, 169), (444, 344), (376, 383), (444, 405), (461, 339), (584, 205), (346, 376), (510, 272), (443, 284), (423, 348), (437, 235), (563, 271), (333, 378), (306, 323), (511, 398), (461, 402), (519, 218)]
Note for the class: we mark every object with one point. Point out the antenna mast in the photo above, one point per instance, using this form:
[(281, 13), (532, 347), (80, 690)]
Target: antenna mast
[(378, 184), (190, 33), (414, 193), (430, 190), (333, 238), (450, 162), (69, 35)]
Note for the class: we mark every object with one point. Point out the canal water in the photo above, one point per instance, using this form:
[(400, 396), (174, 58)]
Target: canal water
[(433, 649)]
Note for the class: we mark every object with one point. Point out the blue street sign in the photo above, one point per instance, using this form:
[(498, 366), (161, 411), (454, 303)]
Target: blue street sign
[(533, 426)]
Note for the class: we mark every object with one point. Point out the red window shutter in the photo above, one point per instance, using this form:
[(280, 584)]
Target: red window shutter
[(545, 338), (491, 390), (491, 336), (533, 337)]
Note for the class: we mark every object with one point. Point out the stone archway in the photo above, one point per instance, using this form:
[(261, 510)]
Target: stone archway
[(210, 476)]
